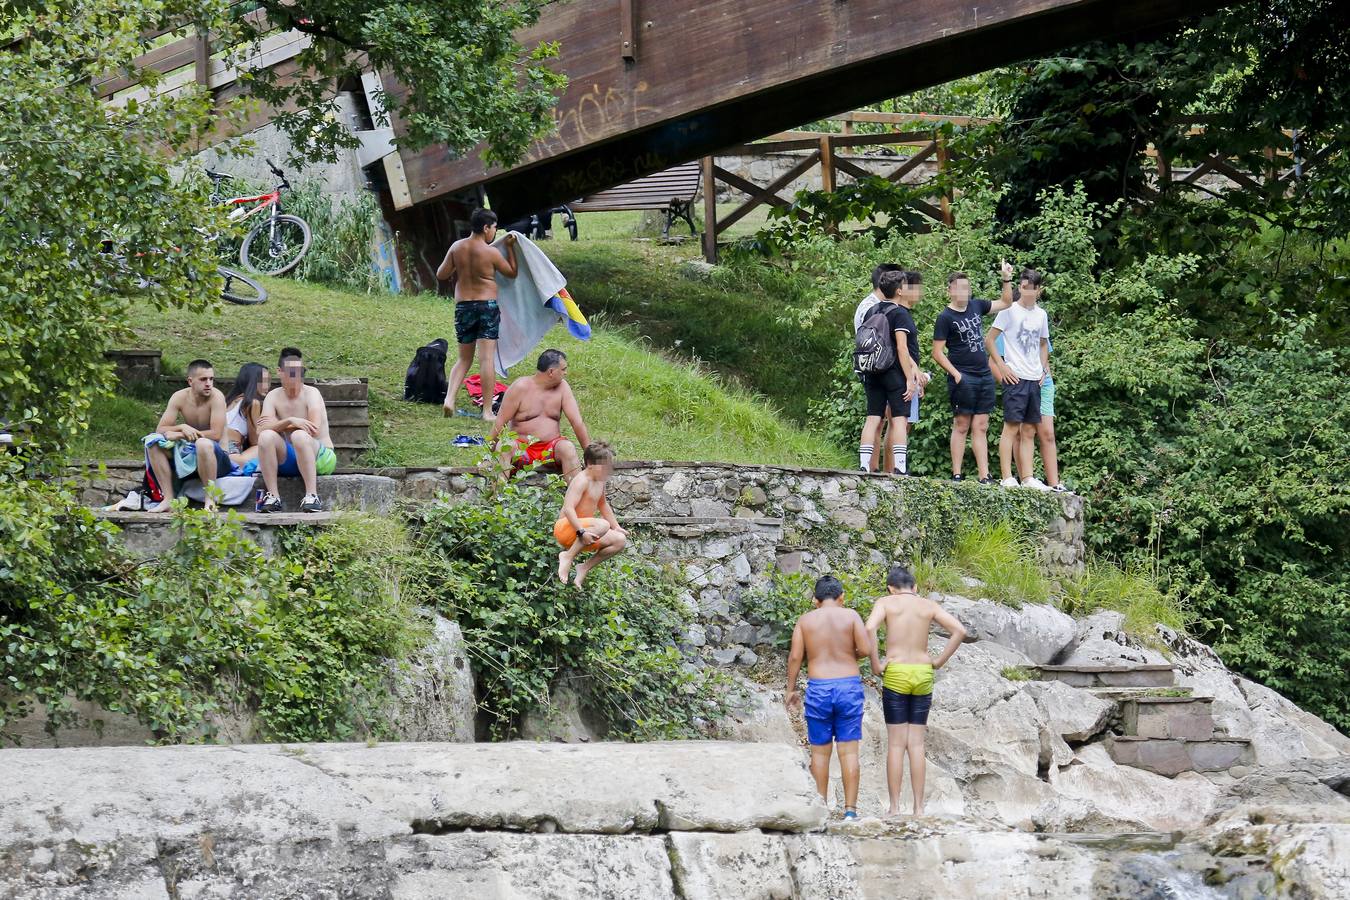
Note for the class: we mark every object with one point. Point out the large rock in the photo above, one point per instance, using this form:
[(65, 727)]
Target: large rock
[(1038, 631), (1282, 732), (1132, 795), (431, 695), (1103, 641)]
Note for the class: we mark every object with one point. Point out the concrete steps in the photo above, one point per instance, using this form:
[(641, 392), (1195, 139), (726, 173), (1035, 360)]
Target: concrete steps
[(153, 534), (1141, 676), (1163, 729)]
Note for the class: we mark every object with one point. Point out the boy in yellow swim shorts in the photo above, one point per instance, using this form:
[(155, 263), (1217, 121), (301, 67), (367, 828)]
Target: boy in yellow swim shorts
[(907, 677), (587, 522)]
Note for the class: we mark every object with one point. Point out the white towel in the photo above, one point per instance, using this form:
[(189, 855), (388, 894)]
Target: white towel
[(525, 317)]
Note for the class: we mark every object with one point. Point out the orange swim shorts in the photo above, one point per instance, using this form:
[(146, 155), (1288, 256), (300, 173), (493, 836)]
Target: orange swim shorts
[(566, 535), (529, 453)]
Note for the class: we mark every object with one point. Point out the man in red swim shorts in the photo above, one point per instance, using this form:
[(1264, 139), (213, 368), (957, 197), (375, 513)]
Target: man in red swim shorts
[(533, 408)]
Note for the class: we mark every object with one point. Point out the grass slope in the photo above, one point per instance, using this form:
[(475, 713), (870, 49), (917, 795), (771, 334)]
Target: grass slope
[(648, 406), (737, 333)]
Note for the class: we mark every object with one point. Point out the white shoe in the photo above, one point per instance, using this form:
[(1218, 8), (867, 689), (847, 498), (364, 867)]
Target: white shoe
[(1036, 483), (1008, 482)]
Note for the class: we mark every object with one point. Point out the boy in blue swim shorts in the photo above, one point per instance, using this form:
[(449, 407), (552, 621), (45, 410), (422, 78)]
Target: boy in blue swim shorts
[(831, 638)]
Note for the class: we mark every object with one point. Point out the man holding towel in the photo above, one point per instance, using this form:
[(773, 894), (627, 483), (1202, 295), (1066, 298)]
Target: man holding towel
[(473, 264)]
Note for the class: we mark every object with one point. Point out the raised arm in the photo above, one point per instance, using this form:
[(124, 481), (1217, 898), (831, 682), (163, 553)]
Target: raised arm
[(573, 413), (953, 626), (1005, 298), (446, 270), (795, 655), (507, 266)]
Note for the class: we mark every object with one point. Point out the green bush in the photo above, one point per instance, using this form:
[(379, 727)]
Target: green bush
[(344, 232), (492, 566), (1002, 559), (1133, 591), (211, 627)]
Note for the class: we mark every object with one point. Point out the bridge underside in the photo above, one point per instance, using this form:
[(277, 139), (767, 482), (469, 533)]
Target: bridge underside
[(655, 84)]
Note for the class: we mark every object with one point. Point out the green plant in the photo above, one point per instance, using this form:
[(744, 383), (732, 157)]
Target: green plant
[(1002, 559), (210, 628), (1131, 591), (492, 566), (941, 576), (1017, 673), (344, 231)]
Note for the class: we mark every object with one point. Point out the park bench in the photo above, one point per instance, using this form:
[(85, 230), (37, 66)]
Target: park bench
[(671, 191)]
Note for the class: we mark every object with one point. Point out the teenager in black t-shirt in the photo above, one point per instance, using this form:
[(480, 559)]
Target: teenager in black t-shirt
[(970, 382), (898, 387)]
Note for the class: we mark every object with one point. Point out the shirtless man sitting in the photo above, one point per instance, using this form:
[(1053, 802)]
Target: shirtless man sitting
[(533, 407), (202, 408), (473, 262), (907, 683), (293, 436), (832, 639)]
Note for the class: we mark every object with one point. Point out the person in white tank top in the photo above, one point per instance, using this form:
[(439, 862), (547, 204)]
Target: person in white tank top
[(243, 405)]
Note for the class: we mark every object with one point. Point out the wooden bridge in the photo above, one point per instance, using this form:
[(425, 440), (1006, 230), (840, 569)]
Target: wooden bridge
[(654, 83)]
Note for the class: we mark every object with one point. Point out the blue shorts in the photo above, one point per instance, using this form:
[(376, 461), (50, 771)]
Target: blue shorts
[(834, 709), (325, 461)]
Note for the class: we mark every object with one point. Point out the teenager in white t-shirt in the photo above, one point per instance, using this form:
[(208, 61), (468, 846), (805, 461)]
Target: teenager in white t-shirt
[(1022, 368)]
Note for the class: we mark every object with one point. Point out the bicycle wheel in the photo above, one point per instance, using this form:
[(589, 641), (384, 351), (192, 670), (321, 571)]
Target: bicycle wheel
[(239, 288), (275, 246)]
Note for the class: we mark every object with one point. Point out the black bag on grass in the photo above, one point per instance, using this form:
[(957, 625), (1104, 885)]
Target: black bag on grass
[(425, 381)]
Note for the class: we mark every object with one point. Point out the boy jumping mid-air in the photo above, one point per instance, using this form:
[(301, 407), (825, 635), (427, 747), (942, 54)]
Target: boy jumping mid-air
[(587, 522), (832, 639), (907, 683)]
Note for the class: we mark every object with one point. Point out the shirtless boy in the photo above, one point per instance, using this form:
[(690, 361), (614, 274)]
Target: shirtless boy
[(587, 523), (832, 639), (907, 683), (533, 407), (473, 262), (293, 436), (202, 408)]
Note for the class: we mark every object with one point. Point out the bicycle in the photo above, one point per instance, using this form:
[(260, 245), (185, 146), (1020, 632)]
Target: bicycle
[(275, 245), (237, 287)]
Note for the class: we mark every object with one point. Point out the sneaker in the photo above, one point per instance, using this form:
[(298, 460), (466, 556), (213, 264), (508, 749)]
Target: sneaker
[(271, 503), (850, 815), (1008, 483), (1060, 489), (988, 479), (957, 476), (1034, 482), (311, 503)]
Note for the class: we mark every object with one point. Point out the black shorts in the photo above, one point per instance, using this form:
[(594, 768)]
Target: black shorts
[(885, 389), (477, 320), (1022, 402), (905, 709), (974, 396)]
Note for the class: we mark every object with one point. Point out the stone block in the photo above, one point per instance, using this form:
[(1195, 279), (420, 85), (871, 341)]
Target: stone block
[(1217, 755), (709, 508), (1163, 757), (716, 866)]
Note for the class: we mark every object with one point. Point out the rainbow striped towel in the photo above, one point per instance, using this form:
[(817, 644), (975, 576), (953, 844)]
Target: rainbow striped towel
[(563, 304)]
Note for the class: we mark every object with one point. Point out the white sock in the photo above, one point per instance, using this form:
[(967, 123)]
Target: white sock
[(865, 456), (901, 454)]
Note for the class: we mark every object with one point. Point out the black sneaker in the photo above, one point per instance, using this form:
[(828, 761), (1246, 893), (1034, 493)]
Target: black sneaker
[(311, 503), (271, 503), (989, 479), (957, 476)]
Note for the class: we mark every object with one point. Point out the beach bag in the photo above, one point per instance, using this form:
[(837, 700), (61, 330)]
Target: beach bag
[(425, 381), (873, 346)]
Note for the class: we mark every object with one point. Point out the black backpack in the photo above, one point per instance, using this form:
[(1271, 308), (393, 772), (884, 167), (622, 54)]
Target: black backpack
[(425, 381), (873, 346)]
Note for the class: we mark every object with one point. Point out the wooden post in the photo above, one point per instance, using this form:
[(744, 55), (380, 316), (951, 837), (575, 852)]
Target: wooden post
[(203, 59), (941, 141), (709, 211), (628, 29), (826, 164)]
